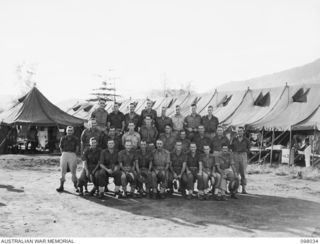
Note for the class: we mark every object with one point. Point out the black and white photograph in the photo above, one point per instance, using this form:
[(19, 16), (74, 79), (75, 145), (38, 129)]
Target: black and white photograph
[(159, 118)]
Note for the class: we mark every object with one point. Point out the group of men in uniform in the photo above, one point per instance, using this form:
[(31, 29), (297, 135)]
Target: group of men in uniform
[(155, 155)]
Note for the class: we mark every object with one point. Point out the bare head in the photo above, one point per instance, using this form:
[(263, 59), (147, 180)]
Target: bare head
[(241, 131), (193, 108), (128, 145), (193, 147), (178, 109), (178, 146), (201, 129), (69, 130), (93, 142), (149, 104), (159, 144), (220, 131), (92, 123), (210, 110), (131, 126), (143, 145), (183, 134), (131, 107), (116, 107), (168, 129), (110, 144), (206, 149), (163, 111), (102, 103)]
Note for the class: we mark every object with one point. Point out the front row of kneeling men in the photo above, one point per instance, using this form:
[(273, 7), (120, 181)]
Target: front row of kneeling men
[(153, 173)]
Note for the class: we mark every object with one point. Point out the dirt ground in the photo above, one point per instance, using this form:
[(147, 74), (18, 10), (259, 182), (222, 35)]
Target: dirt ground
[(277, 206)]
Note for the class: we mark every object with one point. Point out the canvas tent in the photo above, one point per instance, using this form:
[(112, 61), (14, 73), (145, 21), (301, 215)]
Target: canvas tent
[(34, 108), (295, 105)]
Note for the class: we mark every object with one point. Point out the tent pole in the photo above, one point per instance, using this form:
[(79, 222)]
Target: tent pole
[(272, 141), (260, 147), (313, 141), (290, 145)]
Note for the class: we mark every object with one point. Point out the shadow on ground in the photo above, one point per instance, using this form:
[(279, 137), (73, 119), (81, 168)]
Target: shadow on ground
[(11, 188), (248, 214)]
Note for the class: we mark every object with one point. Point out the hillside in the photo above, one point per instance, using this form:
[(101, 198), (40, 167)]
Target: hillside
[(306, 74)]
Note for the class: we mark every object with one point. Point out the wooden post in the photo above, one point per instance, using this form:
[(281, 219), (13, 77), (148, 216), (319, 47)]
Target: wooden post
[(272, 141), (260, 147), (314, 139), (290, 147)]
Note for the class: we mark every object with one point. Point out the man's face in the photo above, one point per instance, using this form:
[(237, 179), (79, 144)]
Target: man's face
[(128, 145), (220, 131), (110, 144), (240, 132), (168, 129), (206, 150), (183, 135), (194, 109), (163, 111), (102, 104), (131, 126), (131, 108), (116, 107), (143, 145), (159, 144), (112, 131), (193, 147), (224, 149), (201, 129), (210, 110), (148, 121), (178, 146), (93, 143), (149, 104), (69, 131), (178, 109), (93, 123)]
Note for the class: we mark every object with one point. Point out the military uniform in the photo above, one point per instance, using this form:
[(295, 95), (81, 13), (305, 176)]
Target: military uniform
[(169, 141), (240, 151), (87, 134), (200, 141), (177, 160), (132, 118), (110, 160), (161, 123), (161, 160), (149, 134), (193, 167), (148, 113), (210, 124), (193, 122), (129, 175), (133, 137), (92, 157), (68, 160), (144, 158), (101, 115), (208, 172), (217, 142)]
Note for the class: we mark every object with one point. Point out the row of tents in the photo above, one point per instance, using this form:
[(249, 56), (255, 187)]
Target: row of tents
[(279, 108)]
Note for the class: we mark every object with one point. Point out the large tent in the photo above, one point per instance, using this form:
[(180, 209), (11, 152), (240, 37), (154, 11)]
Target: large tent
[(34, 108), (295, 105), (312, 122)]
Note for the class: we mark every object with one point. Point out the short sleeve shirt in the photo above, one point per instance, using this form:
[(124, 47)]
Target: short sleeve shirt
[(161, 123), (149, 134), (208, 161), (126, 158), (109, 159), (193, 161), (192, 121), (210, 124), (88, 133), (177, 160), (92, 156), (240, 146), (134, 118), (144, 158), (224, 160), (101, 115), (168, 141), (161, 158), (116, 119), (217, 142), (69, 143)]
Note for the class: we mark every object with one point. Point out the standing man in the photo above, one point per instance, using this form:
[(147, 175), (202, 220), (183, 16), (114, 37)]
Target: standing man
[(87, 133), (90, 160), (192, 122), (148, 112), (193, 159), (218, 140), (177, 122), (116, 119), (240, 147), (226, 168), (148, 132), (69, 146), (101, 115), (132, 116), (201, 139), (160, 165), (210, 123), (177, 168), (207, 171), (127, 166), (168, 139), (143, 162), (163, 120), (108, 167), (132, 136)]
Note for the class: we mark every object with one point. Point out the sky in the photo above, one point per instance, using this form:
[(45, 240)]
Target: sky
[(146, 44)]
